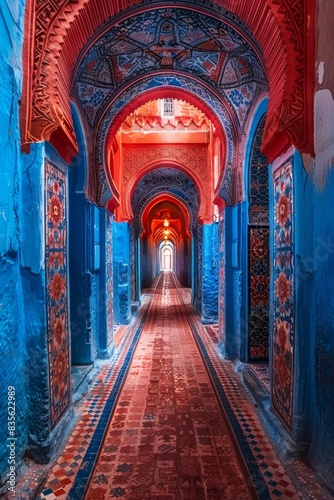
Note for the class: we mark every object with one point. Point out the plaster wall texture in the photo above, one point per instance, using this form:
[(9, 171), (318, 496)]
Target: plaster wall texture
[(321, 265), (210, 273), (122, 283), (12, 315)]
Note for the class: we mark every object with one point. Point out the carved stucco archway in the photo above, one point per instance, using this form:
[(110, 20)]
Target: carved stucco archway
[(56, 33), (163, 165), (152, 87)]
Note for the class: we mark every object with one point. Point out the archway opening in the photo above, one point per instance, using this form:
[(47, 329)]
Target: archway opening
[(165, 160), (165, 240)]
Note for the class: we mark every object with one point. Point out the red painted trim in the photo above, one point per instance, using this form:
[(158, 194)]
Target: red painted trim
[(283, 28)]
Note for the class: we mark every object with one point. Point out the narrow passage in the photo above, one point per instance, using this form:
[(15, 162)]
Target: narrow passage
[(167, 438)]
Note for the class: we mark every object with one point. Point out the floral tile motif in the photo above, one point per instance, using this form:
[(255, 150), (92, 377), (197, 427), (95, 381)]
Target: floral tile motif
[(258, 293), (56, 290), (283, 279)]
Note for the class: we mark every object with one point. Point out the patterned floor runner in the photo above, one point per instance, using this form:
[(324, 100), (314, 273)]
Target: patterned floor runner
[(167, 438), (160, 423)]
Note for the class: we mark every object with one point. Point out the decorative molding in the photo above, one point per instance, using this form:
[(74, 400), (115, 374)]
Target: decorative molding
[(191, 159), (56, 33)]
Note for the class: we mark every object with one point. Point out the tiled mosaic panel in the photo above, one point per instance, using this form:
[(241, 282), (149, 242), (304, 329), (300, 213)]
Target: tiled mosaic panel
[(109, 278), (259, 269), (259, 178), (56, 290), (283, 279), (222, 279)]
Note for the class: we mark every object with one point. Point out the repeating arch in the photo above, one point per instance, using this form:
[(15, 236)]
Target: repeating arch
[(203, 208), (56, 33), (146, 87), (165, 181)]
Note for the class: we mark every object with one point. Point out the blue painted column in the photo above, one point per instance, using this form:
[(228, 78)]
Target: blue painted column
[(194, 271), (104, 340), (232, 286), (82, 265), (209, 271), (319, 270), (122, 275)]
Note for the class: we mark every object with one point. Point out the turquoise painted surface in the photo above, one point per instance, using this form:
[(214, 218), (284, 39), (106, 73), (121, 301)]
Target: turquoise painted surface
[(12, 314), (320, 264), (210, 273), (122, 278)]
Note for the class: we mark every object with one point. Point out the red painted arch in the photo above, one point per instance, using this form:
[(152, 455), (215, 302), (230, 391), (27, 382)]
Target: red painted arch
[(178, 206), (55, 35), (204, 213)]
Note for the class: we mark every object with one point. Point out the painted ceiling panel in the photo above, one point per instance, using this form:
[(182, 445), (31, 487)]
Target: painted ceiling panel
[(169, 39)]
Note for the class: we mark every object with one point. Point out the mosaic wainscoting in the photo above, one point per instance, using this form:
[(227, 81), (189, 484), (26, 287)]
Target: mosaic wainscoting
[(258, 245), (56, 290), (258, 180), (222, 279), (259, 278), (283, 279), (109, 279)]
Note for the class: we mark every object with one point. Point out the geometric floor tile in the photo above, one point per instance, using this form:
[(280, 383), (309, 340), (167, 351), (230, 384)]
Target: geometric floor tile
[(170, 419), (168, 437)]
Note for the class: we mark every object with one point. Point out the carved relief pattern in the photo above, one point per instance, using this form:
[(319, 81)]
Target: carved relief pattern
[(53, 20), (165, 180), (144, 86), (283, 300), (165, 39), (193, 157), (292, 114)]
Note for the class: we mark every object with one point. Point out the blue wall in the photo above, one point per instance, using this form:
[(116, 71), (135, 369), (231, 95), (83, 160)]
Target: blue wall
[(12, 314), (122, 278), (320, 264), (209, 273)]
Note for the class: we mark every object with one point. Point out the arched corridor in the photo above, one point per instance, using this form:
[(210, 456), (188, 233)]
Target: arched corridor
[(187, 144)]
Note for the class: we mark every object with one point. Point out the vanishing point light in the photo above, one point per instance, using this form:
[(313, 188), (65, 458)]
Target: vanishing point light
[(166, 223)]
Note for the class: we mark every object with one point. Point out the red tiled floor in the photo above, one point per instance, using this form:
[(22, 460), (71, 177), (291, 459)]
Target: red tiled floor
[(168, 437), (172, 441)]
